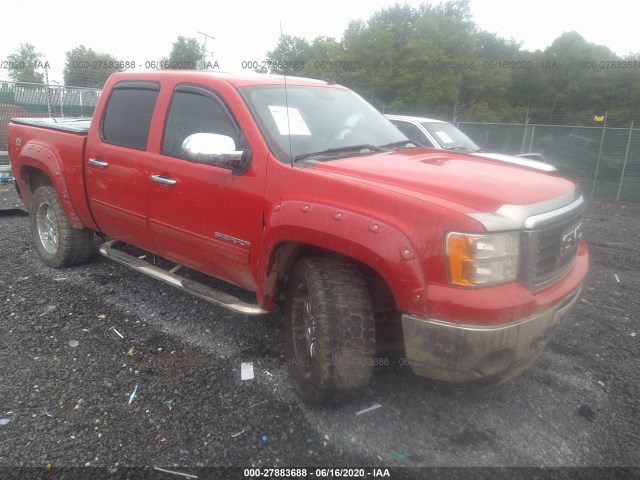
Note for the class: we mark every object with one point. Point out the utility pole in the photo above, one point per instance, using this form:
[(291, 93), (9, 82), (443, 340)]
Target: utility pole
[(204, 53)]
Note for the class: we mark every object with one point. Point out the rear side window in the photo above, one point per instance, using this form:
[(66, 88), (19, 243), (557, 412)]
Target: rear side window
[(412, 132), (128, 114), (197, 110)]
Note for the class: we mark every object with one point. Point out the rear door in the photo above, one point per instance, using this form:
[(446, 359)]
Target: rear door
[(117, 161)]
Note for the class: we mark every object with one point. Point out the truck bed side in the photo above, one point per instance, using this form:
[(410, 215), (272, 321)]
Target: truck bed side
[(45, 152)]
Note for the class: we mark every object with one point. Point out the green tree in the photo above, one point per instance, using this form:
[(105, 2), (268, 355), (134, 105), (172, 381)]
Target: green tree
[(320, 58), (407, 55), (629, 84), (383, 48), (26, 61), (443, 38), (185, 54), (357, 65), (575, 87), (531, 87), (88, 68), (289, 52), (486, 87), (416, 60)]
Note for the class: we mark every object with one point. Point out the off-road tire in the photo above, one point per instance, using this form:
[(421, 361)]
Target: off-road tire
[(57, 242), (330, 295)]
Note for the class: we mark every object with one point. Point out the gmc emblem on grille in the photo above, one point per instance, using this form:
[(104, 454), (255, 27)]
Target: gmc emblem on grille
[(570, 240)]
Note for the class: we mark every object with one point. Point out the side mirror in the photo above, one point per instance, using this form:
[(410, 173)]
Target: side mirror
[(216, 150)]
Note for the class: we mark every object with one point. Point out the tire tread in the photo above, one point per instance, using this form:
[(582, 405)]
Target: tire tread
[(347, 329), (75, 246)]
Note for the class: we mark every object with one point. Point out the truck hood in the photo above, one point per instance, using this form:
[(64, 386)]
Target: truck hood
[(466, 183), (518, 160)]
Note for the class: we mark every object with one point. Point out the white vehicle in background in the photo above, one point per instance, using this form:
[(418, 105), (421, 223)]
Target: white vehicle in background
[(445, 136)]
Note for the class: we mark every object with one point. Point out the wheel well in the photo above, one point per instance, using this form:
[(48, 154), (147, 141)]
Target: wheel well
[(289, 253), (388, 320), (33, 178)]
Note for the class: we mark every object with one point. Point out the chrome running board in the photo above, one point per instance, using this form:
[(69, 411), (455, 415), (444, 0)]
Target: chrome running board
[(205, 292)]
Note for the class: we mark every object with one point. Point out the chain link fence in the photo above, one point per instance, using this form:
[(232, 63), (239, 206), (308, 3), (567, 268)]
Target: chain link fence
[(604, 160), (38, 100)]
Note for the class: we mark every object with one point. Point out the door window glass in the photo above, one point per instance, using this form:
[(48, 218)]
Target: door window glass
[(193, 112), (412, 132), (128, 114)]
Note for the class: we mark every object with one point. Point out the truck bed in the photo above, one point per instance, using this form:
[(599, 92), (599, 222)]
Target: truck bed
[(60, 152), (72, 125)]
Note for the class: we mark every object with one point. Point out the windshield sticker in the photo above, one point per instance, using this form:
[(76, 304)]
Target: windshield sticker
[(294, 124), (444, 137)]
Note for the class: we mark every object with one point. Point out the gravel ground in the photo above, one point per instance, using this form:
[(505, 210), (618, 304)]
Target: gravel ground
[(76, 342)]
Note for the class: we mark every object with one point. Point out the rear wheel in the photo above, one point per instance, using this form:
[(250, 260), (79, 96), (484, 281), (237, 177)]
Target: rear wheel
[(329, 330), (57, 242)]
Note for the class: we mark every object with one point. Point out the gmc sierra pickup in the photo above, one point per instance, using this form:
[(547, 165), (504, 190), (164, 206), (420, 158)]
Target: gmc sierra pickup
[(301, 192)]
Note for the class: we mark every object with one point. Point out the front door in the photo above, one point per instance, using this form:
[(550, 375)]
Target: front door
[(203, 216)]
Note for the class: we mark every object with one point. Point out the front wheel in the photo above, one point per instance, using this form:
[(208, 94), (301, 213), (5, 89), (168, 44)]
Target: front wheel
[(329, 330), (57, 242)]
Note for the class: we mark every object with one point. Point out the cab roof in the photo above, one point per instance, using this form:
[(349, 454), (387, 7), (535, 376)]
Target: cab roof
[(235, 79)]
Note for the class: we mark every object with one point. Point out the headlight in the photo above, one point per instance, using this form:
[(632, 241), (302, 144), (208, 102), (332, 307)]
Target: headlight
[(481, 259)]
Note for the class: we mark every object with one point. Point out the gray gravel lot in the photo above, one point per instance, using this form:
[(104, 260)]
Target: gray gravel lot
[(66, 377)]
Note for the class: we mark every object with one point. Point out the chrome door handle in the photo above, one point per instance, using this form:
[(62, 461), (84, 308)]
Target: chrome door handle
[(163, 180), (98, 163)]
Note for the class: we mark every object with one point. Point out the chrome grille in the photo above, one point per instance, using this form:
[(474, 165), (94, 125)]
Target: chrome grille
[(551, 246)]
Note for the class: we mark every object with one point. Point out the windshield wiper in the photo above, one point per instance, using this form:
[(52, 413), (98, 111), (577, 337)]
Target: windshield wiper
[(339, 150), (402, 143)]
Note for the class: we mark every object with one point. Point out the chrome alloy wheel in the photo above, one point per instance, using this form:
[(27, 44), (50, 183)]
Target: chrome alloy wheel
[(47, 228), (304, 330), (310, 329)]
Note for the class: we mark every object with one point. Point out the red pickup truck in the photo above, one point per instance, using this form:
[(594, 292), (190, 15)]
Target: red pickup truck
[(300, 191)]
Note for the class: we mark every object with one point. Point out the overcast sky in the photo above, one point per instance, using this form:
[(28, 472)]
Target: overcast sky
[(143, 30)]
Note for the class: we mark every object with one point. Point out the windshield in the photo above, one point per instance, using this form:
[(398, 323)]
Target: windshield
[(324, 122), (449, 137)]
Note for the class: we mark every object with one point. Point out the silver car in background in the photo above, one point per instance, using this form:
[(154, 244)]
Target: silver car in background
[(445, 136)]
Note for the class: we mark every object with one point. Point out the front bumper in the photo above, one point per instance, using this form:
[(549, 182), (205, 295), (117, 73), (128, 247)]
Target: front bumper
[(455, 352)]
